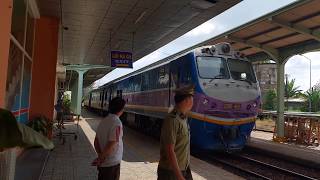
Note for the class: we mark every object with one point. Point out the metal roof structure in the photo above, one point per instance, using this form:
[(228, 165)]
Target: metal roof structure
[(89, 29), (260, 39), (291, 30)]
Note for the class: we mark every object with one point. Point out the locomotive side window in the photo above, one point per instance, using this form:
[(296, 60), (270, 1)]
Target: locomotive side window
[(241, 70), (212, 67), (185, 77)]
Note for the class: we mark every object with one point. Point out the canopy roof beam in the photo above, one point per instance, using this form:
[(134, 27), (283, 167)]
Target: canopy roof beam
[(273, 53), (315, 34)]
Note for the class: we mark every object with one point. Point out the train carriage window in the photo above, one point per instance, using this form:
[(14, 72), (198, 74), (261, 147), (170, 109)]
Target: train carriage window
[(145, 81), (174, 74), (163, 77), (212, 67), (153, 75), (137, 83), (119, 93), (106, 95)]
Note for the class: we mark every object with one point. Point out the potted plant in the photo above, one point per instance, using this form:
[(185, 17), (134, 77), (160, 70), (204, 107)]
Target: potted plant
[(42, 125)]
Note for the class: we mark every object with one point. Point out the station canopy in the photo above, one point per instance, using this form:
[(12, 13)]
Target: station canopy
[(292, 30), (91, 28)]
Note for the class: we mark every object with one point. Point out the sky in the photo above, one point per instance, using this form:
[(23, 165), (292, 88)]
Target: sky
[(297, 67)]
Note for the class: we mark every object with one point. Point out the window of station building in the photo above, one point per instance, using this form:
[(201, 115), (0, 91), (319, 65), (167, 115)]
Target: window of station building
[(30, 35), (18, 20), (26, 79), (13, 84)]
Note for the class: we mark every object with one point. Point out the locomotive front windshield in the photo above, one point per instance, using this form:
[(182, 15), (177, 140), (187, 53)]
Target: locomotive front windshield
[(241, 70), (212, 67)]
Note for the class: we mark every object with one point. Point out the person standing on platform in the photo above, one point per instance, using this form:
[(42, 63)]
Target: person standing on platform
[(108, 142), (175, 139)]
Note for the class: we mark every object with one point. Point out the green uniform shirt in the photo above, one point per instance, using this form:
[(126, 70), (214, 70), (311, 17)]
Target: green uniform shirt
[(175, 130)]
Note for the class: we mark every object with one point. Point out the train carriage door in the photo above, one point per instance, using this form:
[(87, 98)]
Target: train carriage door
[(119, 93), (105, 99), (100, 99), (110, 95)]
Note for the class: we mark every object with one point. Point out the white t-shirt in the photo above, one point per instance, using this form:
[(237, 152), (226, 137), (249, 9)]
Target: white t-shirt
[(110, 129)]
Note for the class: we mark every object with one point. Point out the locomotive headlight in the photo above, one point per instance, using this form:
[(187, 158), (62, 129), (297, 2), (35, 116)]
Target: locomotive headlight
[(212, 50), (225, 48)]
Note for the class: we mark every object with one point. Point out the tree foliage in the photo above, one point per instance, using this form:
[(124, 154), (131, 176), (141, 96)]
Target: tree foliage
[(312, 94), (292, 91), (269, 102)]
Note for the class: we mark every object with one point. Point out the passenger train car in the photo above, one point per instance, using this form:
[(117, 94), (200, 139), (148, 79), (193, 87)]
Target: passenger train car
[(226, 100)]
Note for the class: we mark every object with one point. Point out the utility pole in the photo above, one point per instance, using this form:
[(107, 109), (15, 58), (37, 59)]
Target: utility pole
[(310, 88), (286, 91)]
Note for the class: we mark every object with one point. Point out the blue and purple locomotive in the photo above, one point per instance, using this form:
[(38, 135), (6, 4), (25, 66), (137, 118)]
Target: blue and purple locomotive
[(226, 100)]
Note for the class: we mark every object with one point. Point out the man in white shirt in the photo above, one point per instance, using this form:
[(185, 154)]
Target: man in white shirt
[(108, 142)]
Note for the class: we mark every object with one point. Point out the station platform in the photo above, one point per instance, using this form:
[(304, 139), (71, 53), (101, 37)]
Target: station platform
[(141, 154), (305, 155)]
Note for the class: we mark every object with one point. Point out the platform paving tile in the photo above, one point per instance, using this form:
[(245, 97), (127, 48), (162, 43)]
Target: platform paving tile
[(71, 161)]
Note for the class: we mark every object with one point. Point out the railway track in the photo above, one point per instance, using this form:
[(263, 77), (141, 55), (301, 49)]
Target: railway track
[(253, 168)]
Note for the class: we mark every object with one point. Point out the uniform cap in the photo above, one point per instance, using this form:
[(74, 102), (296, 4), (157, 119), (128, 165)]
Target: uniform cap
[(185, 90)]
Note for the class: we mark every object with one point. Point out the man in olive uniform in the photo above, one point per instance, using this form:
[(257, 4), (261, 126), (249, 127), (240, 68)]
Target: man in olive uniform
[(175, 139)]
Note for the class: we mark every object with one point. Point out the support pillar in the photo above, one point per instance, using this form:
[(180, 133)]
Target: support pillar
[(280, 100), (77, 86), (8, 156), (44, 67), (80, 89), (5, 26)]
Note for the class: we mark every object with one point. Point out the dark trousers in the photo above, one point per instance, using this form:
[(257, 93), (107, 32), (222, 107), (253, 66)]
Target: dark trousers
[(165, 174), (109, 173)]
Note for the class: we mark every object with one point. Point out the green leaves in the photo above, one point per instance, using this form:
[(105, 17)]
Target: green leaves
[(40, 124), (312, 94), (270, 100), (291, 91)]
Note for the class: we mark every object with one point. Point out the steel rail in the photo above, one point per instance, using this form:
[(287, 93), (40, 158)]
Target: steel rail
[(275, 167)]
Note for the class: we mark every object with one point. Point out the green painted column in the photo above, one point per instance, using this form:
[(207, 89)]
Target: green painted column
[(80, 89), (280, 99), (74, 95), (77, 86)]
